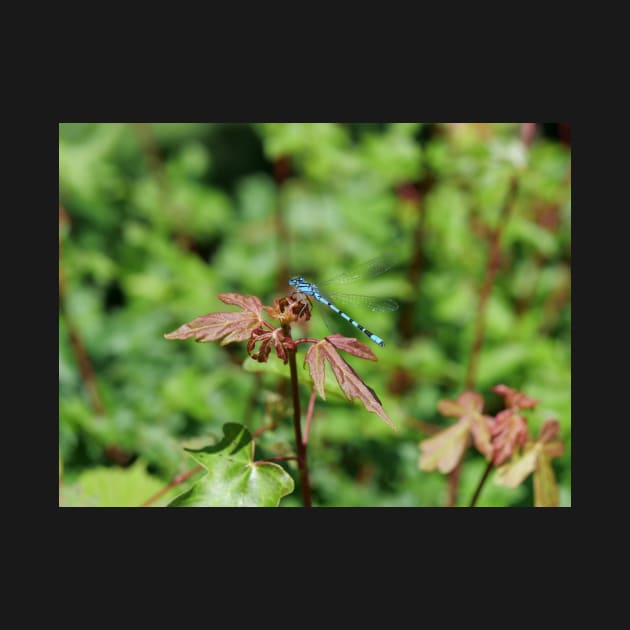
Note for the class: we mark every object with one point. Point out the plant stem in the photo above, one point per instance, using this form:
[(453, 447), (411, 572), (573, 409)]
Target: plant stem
[(309, 415), (300, 445), (482, 481), (492, 267), (176, 481), (416, 194)]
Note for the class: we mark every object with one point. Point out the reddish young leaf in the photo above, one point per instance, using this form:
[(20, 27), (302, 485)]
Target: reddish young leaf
[(351, 346), (549, 430), (536, 457), (443, 450), (514, 398), (229, 327), (349, 381), (288, 310), (275, 337), (508, 430)]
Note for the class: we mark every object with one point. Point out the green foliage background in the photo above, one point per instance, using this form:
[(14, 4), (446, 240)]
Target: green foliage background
[(162, 217)]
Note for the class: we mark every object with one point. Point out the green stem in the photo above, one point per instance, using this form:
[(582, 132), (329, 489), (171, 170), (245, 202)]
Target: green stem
[(300, 445), (482, 481)]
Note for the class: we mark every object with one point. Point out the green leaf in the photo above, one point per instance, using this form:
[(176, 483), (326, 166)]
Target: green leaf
[(111, 487), (234, 479), (546, 492)]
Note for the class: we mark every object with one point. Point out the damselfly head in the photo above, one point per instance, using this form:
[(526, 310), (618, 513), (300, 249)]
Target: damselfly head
[(295, 281)]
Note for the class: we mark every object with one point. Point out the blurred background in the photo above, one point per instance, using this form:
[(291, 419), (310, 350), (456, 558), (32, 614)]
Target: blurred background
[(156, 219)]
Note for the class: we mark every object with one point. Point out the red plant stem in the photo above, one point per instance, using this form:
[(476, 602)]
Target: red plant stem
[(307, 340), (414, 272), (482, 481), (176, 481), (492, 267), (309, 415), (300, 445)]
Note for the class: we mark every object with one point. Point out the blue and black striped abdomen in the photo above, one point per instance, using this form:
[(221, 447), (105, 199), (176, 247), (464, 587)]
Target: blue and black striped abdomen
[(375, 338)]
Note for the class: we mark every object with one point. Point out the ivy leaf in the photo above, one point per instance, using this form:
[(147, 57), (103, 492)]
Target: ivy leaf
[(227, 326), (349, 381), (234, 479), (443, 450)]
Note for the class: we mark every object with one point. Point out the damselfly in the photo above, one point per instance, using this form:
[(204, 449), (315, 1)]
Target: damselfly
[(305, 290)]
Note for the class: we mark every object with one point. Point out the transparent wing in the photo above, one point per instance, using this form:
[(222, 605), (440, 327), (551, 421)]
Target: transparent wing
[(369, 269), (369, 302)]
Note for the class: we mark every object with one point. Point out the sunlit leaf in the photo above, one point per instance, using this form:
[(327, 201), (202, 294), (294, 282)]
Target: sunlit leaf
[(513, 473), (233, 478), (350, 382), (352, 346), (111, 487), (229, 327), (444, 450)]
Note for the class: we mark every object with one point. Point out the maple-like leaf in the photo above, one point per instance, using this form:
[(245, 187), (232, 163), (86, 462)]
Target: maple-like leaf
[(516, 471), (230, 327), (509, 430), (514, 398), (467, 403), (536, 457), (352, 346), (349, 381), (443, 450), (267, 339)]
